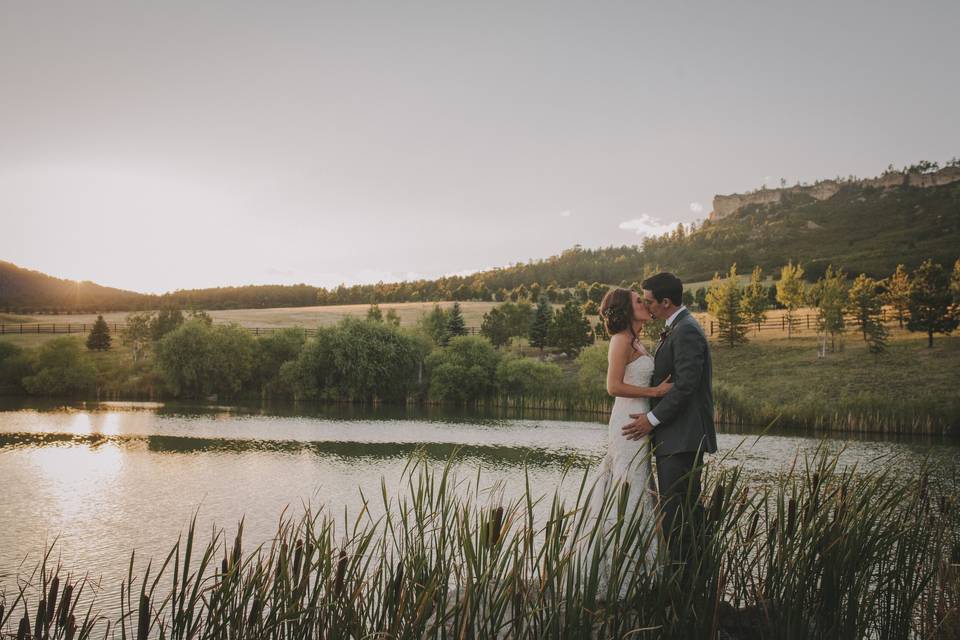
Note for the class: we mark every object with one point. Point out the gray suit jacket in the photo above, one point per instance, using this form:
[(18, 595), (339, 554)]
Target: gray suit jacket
[(686, 412)]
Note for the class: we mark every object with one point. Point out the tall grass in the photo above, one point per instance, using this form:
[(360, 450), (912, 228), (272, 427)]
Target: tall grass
[(821, 552)]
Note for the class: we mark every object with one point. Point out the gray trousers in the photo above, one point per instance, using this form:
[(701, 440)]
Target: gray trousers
[(678, 479)]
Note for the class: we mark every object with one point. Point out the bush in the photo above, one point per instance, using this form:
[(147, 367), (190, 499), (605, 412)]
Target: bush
[(61, 368), (519, 377), (357, 360), (14, 367), (464, 371), (592, 372), (271, 353), (197, 359)]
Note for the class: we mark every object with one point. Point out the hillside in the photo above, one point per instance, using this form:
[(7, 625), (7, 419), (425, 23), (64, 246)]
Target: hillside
[(861, 229), (27, 290), (861, 226)]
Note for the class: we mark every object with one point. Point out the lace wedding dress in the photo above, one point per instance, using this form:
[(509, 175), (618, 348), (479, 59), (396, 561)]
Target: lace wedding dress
[(625, 479)]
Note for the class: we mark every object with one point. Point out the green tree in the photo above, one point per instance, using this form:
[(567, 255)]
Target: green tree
[(570, 330), (392, 317), (61, 368), (527, 377), (955, 282), (519, 317), (540, 326), (164, 322), (755, 299), (495, 327), (358, 361), (434, 324), (865, 304), (456, 326), (592, 372), (374, 314), (581, 292), (688, 299), (931, 301), (790, 291), (829, 295), (724, 304), (15, 365), (701, 298), (273, 351), (196, 360), (464, 371), (590, 308), (137, 333), (596, 292), (897, 292), (99, 338)]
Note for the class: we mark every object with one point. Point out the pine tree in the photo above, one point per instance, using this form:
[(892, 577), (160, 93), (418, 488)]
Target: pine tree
[(392, 317), (790, 291), (455, 323), (590, 308), (830, 296), (374, 314), (570, 331), (99, 338), (865, 304), (875, 333), (897, 293), (931, 301), (955, 283), (724, 304), (495, 327), (540, 326), (755, 300)]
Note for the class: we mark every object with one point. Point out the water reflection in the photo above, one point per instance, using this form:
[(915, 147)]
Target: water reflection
[(109, 478)]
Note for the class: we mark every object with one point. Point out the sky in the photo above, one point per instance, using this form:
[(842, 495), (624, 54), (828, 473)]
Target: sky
[(156, 146)]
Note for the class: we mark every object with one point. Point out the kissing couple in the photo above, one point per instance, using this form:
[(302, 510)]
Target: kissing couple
[(662, 413)]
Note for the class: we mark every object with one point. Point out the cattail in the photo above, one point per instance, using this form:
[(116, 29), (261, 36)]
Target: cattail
[(341, 573), (38, 624), (254, 611), (72, 627), (143, 618), (496, 525), (51, 601), (24, 631), (64, 609), (297, 558), (754, 521), (224, 567), (791, 517), (716, 504), (398, 582)]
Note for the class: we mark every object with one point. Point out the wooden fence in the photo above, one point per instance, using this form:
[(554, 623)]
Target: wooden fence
[(27, 328), (798, 324)]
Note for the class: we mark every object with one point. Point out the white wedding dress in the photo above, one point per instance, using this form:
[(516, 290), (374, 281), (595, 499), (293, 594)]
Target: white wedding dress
[(627, 468)]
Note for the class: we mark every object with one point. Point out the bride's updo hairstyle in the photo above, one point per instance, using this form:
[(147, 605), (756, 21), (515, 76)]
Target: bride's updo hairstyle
[(616, 309)]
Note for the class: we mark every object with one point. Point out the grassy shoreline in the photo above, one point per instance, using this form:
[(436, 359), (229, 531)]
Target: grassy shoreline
[(823, 552), (771, 379)]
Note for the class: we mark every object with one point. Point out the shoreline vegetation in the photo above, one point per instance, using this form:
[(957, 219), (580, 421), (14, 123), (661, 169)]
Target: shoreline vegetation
[(818, 552), (772, 379)]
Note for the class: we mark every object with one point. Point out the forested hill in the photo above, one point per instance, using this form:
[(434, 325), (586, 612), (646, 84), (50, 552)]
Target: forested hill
[(859, 229), (27, 290)]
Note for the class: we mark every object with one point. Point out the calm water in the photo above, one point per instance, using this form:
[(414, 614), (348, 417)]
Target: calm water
[(106, 479)]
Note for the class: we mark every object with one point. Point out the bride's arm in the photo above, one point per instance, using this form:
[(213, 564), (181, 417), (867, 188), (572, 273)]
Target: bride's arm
[(618, 356)]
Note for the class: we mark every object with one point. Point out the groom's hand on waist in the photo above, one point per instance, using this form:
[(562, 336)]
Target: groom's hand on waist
[(639, 428)]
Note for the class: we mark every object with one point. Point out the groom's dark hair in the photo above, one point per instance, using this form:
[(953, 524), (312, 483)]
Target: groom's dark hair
[(664, 285)]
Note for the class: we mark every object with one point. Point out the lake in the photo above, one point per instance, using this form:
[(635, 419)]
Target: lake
[(105, 479)]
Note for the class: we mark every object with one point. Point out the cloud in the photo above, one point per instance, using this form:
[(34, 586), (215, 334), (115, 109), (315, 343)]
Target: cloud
[(696, 207), (566, 214), (647, 225)]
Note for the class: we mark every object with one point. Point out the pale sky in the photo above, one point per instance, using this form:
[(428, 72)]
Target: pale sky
[(162, 145)]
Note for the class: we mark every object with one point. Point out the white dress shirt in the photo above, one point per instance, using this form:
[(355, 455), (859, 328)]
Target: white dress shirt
[(673, 316)]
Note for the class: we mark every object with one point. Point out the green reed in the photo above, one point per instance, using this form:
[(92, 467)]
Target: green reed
[(820, 552)]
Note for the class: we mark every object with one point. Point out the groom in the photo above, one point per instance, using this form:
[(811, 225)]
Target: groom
[(681, 422)]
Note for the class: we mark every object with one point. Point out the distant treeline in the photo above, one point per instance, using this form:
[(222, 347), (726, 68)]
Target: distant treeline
[(866, 229)]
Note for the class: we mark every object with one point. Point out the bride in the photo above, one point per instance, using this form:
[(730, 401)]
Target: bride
[(623, 501)]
